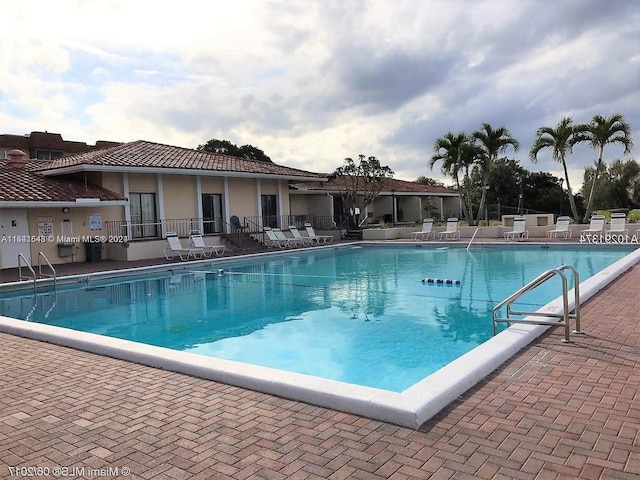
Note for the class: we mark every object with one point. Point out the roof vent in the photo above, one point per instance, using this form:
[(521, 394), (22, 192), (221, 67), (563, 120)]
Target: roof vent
[(17, 158)]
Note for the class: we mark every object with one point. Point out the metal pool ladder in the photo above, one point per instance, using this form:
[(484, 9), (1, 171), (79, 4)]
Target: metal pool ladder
[(33, 276), (563, 317)]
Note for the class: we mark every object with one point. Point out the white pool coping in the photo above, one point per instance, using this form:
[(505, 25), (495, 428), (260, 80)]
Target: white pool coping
[(410, 408)]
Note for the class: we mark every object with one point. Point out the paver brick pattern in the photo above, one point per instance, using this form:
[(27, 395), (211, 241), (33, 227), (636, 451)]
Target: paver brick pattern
[(554, 411)]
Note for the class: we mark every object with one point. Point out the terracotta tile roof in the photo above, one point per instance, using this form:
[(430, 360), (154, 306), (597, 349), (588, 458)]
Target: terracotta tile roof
[(47, 140), (390, 185), (25, 185), (143, 154)]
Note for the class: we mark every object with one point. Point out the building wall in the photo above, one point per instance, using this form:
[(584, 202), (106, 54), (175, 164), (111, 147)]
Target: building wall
[(242, 197), (78, 221), (180, 196), (143, 183)]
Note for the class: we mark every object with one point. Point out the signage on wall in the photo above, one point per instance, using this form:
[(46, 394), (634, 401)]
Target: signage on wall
[(95, 221), (45, 226)]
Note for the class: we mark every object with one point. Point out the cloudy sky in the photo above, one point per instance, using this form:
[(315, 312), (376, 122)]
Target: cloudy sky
[(314, 81)]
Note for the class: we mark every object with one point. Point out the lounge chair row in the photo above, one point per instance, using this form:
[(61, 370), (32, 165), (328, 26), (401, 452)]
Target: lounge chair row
[(450, 232), (277, 238), (196, 249), (519, 232)]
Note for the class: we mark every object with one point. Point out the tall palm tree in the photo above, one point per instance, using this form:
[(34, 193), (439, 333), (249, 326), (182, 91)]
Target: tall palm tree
[(447, 149), (560, 140), (602, 131), (470, 154), (493, 142)]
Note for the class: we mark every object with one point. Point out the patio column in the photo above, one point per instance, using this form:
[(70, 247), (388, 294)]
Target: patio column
[(127, 207)]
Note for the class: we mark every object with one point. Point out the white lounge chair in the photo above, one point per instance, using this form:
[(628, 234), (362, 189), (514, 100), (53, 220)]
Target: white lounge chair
[(283, 239), (271, 240), (274, 240), (596, 226), (426, 232), (318, 239), (197, 241), (519, 230), (618, 224), (176, 248), (451, 231), (298, 236), (562, 227)]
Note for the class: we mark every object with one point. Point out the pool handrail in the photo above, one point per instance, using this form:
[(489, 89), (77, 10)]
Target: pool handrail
[(479, 229), (565, 315)]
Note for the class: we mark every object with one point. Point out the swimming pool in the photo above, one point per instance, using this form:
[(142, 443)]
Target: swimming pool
[(361, 316)]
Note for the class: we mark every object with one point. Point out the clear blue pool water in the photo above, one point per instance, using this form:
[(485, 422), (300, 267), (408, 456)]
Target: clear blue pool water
[(360, 315)]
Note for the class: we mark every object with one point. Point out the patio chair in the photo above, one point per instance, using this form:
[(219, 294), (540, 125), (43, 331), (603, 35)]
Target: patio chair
[(235, 223), (426, 232), (197, 241), (283, 239), (317, 239), (596, 226), (618, 224), (298, 236), (562, 227), (176, 248), (519, 230), (272, 239), (451, 231)]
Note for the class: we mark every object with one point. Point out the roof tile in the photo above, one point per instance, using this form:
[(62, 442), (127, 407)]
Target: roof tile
[(23, 184), (154, 155)]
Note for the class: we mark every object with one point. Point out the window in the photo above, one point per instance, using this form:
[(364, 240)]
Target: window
[(269, 211), (212, 212), (144, 219), (48, 154)]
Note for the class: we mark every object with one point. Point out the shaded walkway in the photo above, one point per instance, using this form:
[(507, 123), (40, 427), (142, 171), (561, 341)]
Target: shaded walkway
[(554, 411)]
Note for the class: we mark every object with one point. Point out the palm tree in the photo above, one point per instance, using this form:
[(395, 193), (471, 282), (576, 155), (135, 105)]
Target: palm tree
[(493, 142), (447, 149), (560, 140), (600, 132)]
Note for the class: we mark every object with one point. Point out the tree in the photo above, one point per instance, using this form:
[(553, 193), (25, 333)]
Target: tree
[(560, 140), (616, 185), (448, 150), (360, 183), (599, 132), (493, 142), (225, 147), (422, 180)]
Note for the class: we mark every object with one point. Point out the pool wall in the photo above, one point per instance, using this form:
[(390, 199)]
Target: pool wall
[(410, 408)]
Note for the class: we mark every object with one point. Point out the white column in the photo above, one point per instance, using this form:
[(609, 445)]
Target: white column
[(199, 203), (161, 205), (259, 201), (225, 194), (127, 207)]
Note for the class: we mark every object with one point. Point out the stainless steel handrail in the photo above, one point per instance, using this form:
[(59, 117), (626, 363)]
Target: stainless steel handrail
[(21, 277), (479, 229), (53, 270), (565, 315)]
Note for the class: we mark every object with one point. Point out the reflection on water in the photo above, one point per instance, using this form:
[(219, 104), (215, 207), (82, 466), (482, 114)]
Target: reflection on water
[(358, 315)]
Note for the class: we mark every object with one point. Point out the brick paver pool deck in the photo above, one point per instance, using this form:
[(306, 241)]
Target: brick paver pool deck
[(553, 411)]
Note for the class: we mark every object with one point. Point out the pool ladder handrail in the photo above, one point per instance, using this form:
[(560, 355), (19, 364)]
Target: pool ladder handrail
[(21, 277), (41, 274), (49, 275), (479, 229), (565, 315)]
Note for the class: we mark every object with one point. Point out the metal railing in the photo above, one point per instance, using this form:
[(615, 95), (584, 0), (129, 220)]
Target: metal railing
[(53, 270), (564, 316), (21, 259), (155, 230)]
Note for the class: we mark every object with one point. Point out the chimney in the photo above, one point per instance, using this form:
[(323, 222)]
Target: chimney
[(17, 158)]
